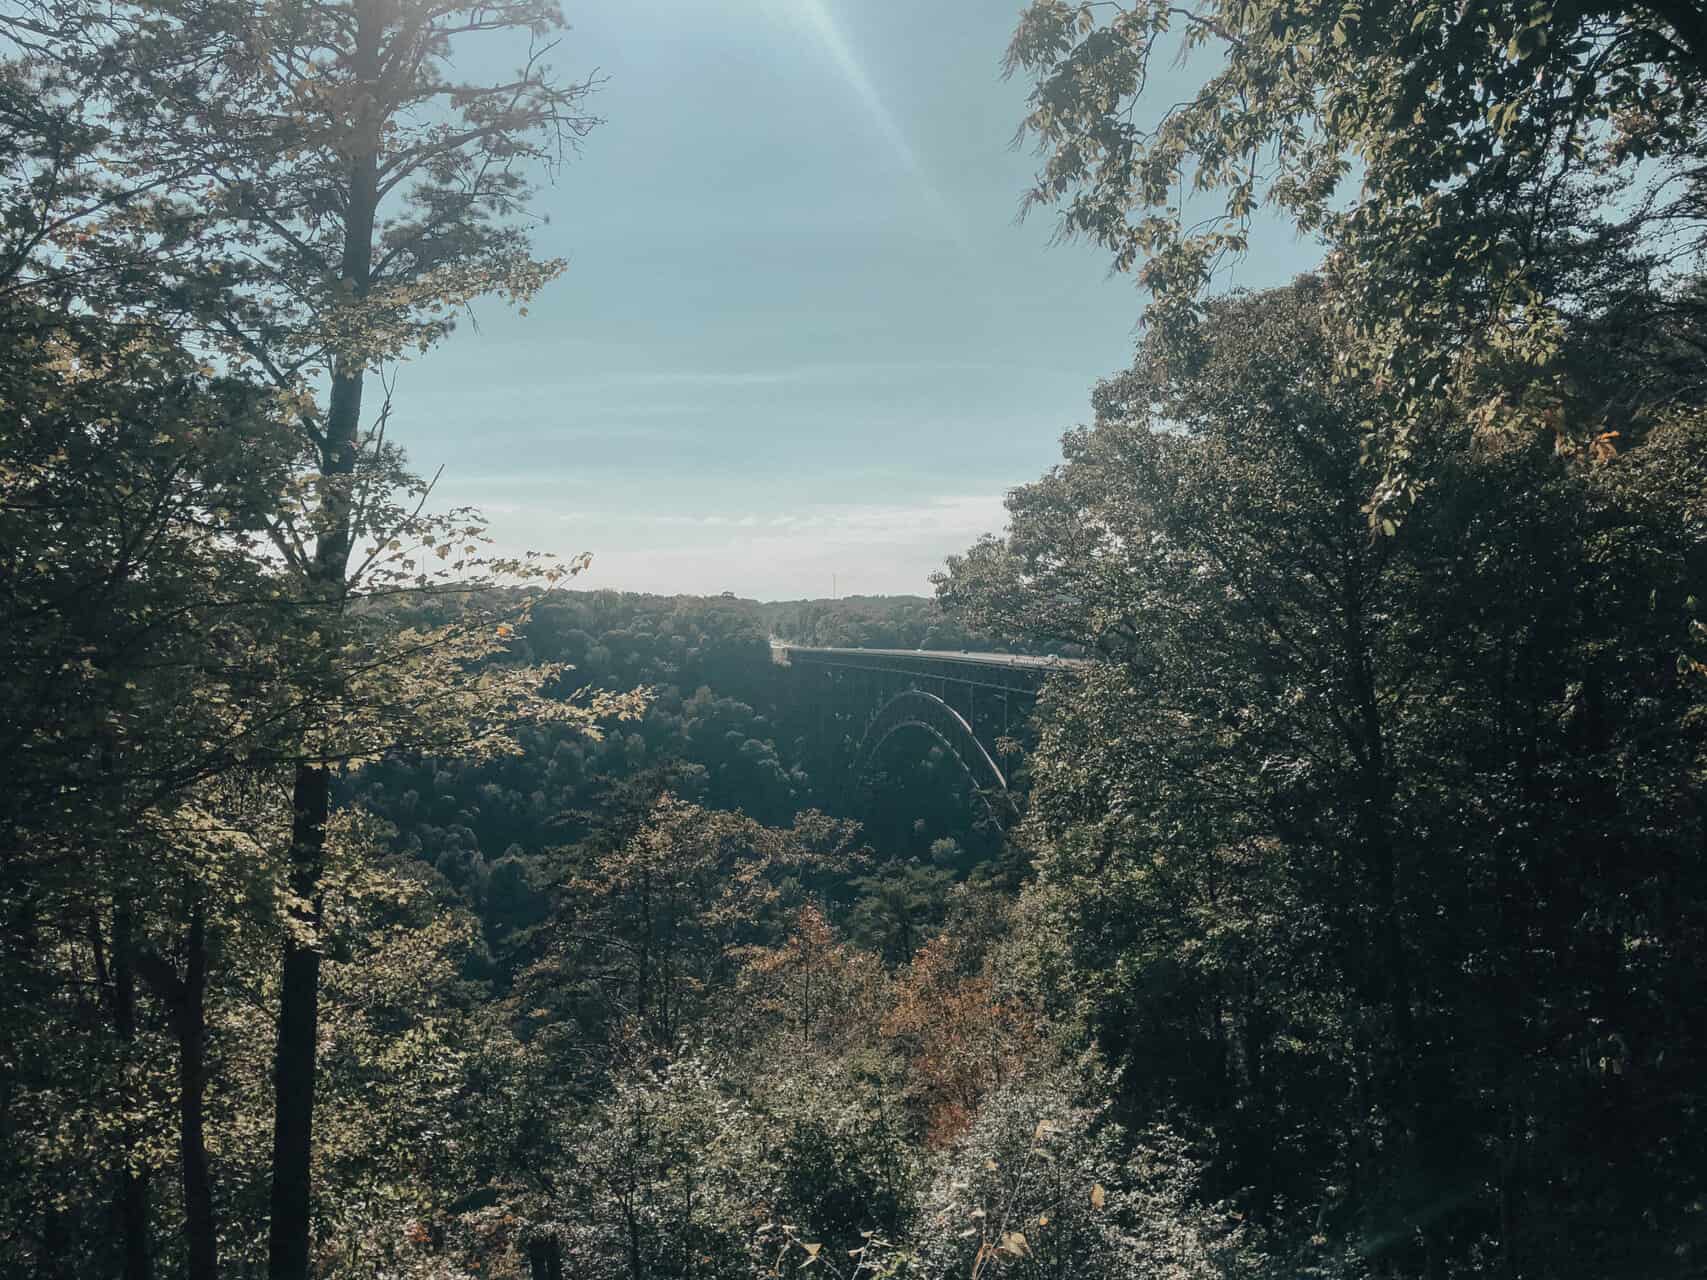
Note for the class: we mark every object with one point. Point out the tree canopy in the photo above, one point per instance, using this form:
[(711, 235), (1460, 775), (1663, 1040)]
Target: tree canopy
[(1480, 174), (1340, 834)]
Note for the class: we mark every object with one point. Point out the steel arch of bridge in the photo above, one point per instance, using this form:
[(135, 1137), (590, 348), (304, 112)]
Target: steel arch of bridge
[(917, 709), (966, 702)]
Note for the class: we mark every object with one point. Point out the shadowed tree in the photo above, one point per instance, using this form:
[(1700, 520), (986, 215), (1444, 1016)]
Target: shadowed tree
[(344, 194), (1342, 838)]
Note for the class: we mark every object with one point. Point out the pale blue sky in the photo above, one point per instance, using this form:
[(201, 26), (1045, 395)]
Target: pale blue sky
[(801, 334)]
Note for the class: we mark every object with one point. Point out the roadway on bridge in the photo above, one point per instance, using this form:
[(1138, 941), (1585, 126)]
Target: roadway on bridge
[(942, 655)]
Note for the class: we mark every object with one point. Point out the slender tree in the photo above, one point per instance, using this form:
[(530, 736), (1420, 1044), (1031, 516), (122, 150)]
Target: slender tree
[(315, 193)]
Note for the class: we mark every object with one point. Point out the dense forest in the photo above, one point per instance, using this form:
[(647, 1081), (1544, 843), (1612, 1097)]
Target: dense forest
[(724, 726), (884, 622), (376, 904)]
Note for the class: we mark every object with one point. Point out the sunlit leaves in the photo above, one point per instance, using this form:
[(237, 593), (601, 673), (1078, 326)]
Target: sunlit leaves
[(1468, 169)]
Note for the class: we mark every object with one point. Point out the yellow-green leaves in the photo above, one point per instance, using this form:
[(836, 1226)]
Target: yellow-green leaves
[(1460, 162)]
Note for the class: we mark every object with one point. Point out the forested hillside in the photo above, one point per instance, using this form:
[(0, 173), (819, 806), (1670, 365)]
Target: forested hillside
[(723, 726), (375, 903)]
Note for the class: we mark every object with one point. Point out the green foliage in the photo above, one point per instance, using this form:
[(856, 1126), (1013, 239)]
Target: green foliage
[(1358, 926), (1341, 833), (869, 622), (899, 908), (1481, 174), (1041, 1187)]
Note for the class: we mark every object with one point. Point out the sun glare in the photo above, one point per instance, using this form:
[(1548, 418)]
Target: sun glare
[(817, 17)]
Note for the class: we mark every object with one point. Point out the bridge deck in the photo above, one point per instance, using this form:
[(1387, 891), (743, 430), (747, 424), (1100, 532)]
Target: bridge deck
[(922, 656)]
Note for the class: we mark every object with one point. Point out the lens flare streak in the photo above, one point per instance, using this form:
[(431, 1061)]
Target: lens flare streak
[(822, 24)]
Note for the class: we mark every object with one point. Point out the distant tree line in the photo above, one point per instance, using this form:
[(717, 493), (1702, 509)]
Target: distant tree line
[(872, 622)]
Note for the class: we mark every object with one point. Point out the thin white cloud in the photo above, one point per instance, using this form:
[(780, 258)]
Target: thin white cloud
[(947, 514), (786, 376), (864, 548), (888, 548)]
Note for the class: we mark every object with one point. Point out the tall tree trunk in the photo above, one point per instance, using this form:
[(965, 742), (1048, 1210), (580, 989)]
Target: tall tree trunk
[(132, 1195), (1376, 827), (186, 998), (299, 998), (1510, 896), (545, 1258), (200, 1228), (636, 1267), (57, 1255), (299, 1023), (131, 1201), (1374, 808)]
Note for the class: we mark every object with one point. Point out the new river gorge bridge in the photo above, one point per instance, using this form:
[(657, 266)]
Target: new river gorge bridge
[(975, 706)]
